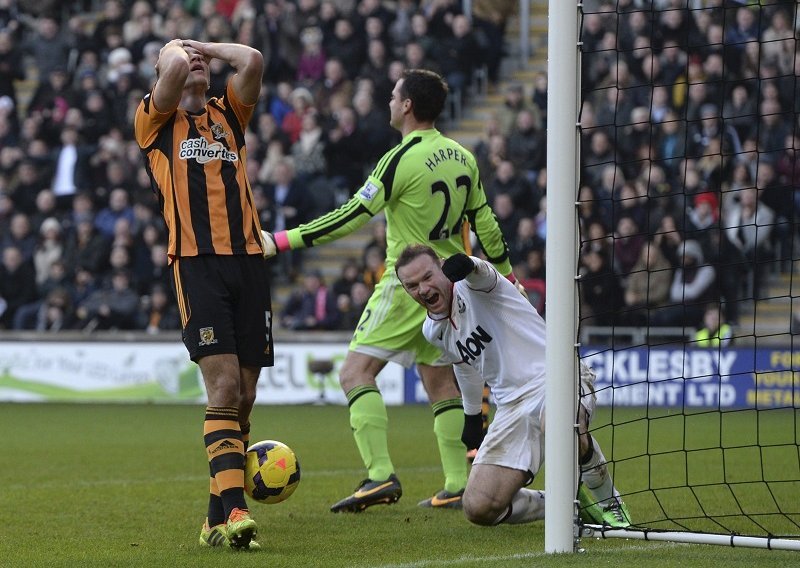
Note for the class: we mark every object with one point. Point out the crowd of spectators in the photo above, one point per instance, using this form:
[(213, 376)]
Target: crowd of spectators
[(82, 241), (688, 120), (688, 169), (689, 173)]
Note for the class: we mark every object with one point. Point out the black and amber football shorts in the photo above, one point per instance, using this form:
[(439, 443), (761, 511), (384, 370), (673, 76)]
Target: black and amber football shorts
[(225, 307)]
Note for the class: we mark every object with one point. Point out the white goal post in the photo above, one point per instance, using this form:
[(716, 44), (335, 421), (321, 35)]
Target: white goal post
[(563, 529), (563, 98), (693, 538)]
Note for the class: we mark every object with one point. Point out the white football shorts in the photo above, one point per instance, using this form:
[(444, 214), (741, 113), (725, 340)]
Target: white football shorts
[(516, 435)]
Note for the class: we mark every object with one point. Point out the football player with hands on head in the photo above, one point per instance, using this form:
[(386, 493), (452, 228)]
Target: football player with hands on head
[(427, 186), (195, 154), (492, 334)]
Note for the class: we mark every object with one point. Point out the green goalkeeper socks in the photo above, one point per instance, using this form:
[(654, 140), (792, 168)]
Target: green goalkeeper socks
[(448, 422), (370, 428)]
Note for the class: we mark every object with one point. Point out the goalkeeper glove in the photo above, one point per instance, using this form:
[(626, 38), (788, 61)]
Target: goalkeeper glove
[(457, 267), (472, 435), (268, 244)]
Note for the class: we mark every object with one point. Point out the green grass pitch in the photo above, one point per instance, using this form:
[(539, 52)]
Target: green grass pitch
[(107, 485)]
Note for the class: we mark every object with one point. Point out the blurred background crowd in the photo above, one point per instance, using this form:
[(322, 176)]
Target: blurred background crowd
[(689, 130), (687, 149), (82, 241)]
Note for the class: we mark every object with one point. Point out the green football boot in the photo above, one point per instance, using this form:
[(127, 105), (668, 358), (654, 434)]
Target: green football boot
[(590, 512), (616, 515), (213, 536), (240, 528)]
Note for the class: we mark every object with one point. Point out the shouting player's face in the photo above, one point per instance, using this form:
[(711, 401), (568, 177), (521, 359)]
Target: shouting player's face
[(424, 280)]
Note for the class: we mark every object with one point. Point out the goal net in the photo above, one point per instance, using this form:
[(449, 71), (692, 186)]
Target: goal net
[(687, 206)]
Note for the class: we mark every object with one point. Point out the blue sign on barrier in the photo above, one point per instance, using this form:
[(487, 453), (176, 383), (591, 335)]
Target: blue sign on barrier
[(413, 390), (697, 378), (700, 378)]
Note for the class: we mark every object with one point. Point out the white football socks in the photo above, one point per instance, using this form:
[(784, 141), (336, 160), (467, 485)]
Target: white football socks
[(595, 475), (527, 505)]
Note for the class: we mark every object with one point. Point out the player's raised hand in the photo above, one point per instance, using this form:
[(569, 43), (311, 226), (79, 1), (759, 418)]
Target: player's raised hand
[(198, 46), (171, 43), (174, 43), (269, 246), (457, 267)]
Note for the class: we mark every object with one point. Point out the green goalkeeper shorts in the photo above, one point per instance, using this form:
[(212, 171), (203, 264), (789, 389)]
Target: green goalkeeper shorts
[(390, 327)]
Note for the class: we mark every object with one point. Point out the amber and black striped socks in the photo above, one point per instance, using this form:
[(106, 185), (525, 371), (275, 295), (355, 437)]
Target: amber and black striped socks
[(225, 450)]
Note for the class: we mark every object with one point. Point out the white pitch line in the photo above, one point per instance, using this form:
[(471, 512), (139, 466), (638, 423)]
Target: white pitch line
[(518, 556), (188, 479), (461, 560)]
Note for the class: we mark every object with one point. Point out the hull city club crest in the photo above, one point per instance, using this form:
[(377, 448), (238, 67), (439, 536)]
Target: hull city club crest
[(218, 130), (207, 336)]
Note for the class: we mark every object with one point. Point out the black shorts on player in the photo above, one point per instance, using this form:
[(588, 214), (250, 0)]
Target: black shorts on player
[(224, 301)]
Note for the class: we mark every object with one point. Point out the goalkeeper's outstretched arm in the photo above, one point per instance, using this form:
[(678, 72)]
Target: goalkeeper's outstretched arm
[(331, 226)]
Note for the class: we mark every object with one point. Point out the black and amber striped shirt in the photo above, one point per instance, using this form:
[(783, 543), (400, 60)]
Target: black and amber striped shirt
[(197, 164)]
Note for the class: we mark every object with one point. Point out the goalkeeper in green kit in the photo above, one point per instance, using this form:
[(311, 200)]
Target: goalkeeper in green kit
[(428, 185)]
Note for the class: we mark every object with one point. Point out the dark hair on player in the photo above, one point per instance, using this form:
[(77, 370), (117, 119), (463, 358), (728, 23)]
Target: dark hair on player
[(427, 92)]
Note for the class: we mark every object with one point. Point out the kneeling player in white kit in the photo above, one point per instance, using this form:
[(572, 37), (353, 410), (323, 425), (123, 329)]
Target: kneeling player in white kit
[(492, 334)]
